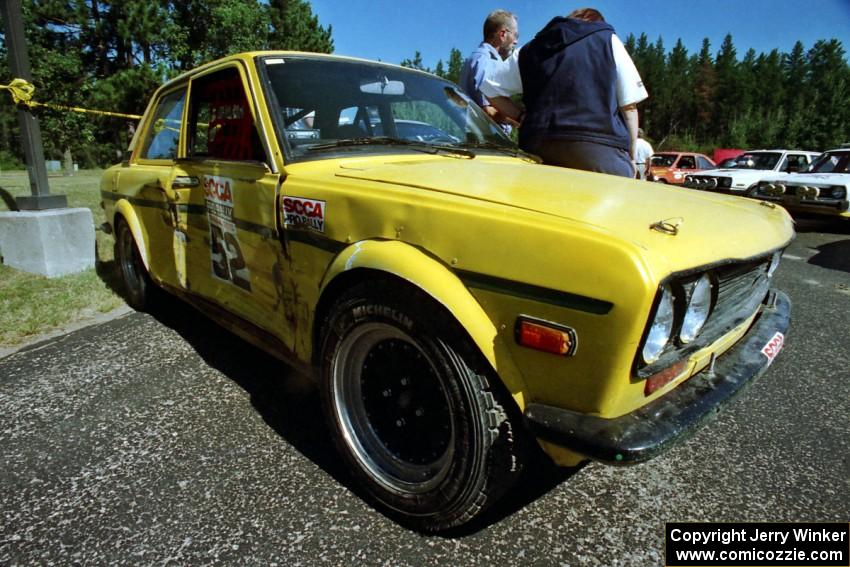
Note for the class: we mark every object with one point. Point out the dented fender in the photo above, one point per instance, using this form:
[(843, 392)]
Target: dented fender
[(437, 280), (125, 209)]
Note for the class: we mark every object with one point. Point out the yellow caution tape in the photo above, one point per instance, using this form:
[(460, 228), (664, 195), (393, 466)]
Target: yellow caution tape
[(22, 92)]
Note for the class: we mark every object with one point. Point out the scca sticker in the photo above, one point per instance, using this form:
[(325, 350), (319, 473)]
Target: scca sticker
[(773, 346), (299, 212)]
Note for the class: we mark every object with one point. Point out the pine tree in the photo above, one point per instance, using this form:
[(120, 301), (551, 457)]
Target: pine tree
[(455, 65), (726, 95), (415, 63), (680, 88), (704, 90), (796, 70), (829, 83), (440, 69), (295, 27), (768, 98)]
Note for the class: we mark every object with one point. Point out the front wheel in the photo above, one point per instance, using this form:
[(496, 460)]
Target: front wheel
[(137, 283), (412, 410)]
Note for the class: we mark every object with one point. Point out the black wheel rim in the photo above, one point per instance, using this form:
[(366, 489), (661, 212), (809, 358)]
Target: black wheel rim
[(393, 409)]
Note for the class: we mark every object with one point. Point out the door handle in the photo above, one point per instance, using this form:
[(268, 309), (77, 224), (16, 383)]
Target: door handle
[(184, 181)]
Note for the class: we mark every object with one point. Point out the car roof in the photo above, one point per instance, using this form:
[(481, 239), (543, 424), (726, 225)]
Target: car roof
[(675, 153), (781, 151), (249, 56)]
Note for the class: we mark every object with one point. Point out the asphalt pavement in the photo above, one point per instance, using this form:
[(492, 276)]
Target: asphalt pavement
[(167, 441)]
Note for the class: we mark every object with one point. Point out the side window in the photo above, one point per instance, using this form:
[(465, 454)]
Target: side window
[(360, 122), (796, 162), (222, 126), (163, 136), (704, 163), (423, 120), (687, 162)]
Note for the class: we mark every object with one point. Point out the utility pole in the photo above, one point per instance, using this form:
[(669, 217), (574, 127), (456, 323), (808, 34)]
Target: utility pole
[(19, 63)]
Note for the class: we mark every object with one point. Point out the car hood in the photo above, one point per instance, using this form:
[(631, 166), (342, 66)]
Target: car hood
[(620, 207), (812, 178)]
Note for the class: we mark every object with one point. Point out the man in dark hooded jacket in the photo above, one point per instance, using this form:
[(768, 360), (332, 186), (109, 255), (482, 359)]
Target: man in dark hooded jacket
[(580, 89)]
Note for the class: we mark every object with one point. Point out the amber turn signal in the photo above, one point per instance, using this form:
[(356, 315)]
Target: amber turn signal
[(545, 336), (661, 379)]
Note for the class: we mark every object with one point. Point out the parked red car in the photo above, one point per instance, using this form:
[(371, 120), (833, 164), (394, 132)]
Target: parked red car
[(725, 154), (671, 167)]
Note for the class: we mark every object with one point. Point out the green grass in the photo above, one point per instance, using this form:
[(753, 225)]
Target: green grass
[(32, 305)]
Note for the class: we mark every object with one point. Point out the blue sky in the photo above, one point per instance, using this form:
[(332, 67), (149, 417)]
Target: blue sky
[(392, 30)]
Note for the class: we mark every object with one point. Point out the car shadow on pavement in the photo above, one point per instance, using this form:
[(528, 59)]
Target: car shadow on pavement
[(540, 477), (289, 403), (834, 256)]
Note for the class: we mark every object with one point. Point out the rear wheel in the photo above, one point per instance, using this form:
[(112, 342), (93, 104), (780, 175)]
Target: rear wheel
[(137, 283), (412, 412)]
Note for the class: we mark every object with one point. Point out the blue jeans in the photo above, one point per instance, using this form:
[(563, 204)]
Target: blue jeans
[(588, 156)]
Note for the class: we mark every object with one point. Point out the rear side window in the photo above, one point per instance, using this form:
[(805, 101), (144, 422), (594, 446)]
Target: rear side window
[(704, 163), (687, 162), (222, 126), (163, 135), (797, 162)]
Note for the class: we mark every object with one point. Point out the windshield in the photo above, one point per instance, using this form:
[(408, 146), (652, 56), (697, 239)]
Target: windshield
[(831, 162), (662, 160), (757, 160), (329, 106)]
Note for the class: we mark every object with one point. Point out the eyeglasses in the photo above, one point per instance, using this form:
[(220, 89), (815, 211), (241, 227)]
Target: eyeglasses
[(512, 32)]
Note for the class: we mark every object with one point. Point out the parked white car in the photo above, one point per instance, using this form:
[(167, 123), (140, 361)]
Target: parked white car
[(750, 168), (822, 190)]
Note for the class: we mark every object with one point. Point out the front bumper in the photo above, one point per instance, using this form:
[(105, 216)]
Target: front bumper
[(653, 428), (822, 207), (716, 189)]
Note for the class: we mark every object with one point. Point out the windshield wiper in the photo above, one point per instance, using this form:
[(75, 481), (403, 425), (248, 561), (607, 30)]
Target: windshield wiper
[(388, 141), (513, 152)]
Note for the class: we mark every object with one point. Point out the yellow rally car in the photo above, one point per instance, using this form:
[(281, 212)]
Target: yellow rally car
[(454, 298)]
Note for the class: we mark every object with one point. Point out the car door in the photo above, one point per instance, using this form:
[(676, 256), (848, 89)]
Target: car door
[(153, 182), (703, 163), (235, 255), (796, 162), (687, 164)]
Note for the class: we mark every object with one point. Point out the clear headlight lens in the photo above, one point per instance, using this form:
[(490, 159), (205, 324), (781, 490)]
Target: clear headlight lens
[(662, 326), (699, 307)]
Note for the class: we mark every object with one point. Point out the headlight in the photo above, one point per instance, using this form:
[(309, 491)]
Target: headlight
[(838, 192), (774, 263), (699, 307), (662, 325)]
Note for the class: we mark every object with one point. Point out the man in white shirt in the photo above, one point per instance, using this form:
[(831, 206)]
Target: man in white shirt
[(580, 89), (643, 151)]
